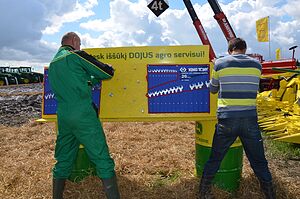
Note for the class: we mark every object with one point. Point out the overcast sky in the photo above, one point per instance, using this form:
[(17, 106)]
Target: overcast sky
[(31, 29)]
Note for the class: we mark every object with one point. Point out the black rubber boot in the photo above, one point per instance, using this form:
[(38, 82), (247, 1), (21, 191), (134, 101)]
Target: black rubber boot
[(205, 191), (111, 188), (268, 189), (58, 188)]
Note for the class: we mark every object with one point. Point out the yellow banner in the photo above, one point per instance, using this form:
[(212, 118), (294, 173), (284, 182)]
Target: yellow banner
[(278, 54), (130, 95), (153, 83), (262, 29)]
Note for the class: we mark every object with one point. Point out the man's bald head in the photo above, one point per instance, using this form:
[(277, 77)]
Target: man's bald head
[(71, 39)]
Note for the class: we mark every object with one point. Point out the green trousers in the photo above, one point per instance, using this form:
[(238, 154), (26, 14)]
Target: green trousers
[(78, 124)]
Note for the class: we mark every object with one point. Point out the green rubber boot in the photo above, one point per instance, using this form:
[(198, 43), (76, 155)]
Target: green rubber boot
[(58, 188), (268, 189), (111, 188), (205, 191)]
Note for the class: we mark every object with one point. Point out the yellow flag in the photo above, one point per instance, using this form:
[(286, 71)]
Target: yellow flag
[(278, 54), (262, 29)]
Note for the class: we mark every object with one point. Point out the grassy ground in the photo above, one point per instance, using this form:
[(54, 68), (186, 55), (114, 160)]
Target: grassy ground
[(285, 150), (153, 161)]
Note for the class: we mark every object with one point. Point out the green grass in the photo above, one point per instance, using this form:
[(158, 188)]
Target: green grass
[(284, 150), (166, 178)]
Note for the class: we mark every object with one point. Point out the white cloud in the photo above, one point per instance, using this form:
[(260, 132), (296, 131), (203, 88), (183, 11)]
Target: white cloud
[(290, 35), (131, 23), (24, 23), (80, 11), (175, 27), (292, 8)]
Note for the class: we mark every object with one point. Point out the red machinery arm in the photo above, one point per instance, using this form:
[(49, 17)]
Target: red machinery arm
[(222, 20), (229, 34), (219, 16), (200, 30)]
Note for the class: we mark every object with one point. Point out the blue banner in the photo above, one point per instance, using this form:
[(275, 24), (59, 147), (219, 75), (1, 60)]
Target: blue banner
[(178, 88), (50, 103)]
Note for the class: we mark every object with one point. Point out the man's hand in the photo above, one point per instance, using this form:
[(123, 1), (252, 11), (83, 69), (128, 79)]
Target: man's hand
[(214, 60), (111, 66)]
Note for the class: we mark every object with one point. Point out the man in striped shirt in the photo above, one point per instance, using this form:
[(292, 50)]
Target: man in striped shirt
[(236, 80)]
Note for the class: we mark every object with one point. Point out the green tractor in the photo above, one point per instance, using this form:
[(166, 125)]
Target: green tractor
[(15, 73), (33, 77), (6, 78), (22, 75)]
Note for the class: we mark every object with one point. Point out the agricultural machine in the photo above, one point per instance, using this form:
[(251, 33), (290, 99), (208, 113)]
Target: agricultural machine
[(267, 66), (279, 100), (279, 109), (29, 74), (6, 79), (19, 75)]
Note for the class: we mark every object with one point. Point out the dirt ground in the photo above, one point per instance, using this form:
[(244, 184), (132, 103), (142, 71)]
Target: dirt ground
[(153, 161)]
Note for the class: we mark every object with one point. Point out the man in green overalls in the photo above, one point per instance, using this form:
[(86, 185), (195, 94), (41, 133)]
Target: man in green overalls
[(71, 73)]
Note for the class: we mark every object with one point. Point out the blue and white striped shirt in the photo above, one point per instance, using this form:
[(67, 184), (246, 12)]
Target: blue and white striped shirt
[(236, 80)]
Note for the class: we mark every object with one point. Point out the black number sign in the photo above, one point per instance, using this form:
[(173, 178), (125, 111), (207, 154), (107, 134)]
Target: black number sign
[(158, 6)]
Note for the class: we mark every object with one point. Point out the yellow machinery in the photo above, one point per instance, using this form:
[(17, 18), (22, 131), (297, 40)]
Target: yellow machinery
[(279, 110)]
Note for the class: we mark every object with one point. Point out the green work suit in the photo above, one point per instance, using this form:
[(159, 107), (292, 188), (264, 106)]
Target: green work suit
[(70, 74)]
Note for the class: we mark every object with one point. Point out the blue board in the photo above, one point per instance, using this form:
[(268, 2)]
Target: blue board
[(50, 103), (178, 88)]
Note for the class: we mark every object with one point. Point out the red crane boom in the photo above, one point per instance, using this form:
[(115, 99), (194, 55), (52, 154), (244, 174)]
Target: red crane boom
[(200, 30), (229, 34), (222, 20)]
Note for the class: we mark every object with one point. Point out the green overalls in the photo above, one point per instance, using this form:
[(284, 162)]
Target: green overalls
[(69, 74)]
